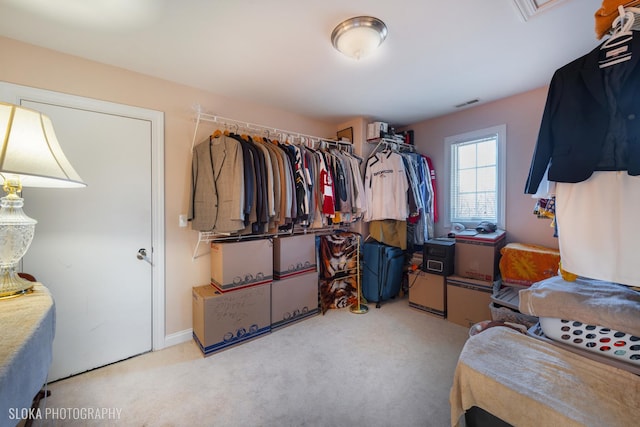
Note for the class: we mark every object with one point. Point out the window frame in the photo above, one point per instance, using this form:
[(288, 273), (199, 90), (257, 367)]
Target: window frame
[(500, 132)]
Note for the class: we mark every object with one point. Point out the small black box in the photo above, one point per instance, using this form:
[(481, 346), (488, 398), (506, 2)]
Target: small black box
[(438, 256)]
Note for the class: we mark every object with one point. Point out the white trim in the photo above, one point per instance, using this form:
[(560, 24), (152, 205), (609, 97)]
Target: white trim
[(178, 337), (502, 175), (501, 131), (15, 93)]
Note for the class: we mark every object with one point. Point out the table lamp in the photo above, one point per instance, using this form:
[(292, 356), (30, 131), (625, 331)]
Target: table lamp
[(30, 156)]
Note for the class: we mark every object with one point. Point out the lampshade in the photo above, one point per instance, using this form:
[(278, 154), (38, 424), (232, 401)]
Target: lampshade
[(30, 150), (359, 36), (30, 156)]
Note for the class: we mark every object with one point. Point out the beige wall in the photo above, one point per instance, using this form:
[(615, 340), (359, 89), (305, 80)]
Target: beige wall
[(36, 67), (521, 114), (27, 65)]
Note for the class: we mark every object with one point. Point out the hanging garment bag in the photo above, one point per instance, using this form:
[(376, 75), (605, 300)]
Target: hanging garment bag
[(382, 272)]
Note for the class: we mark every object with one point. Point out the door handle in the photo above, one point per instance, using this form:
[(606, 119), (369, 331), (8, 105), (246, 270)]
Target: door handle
[(142, 255)]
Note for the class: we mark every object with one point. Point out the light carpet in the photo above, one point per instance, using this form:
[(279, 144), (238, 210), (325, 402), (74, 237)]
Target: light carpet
[(392, 366)]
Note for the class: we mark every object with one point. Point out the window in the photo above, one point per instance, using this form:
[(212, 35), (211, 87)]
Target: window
[(476, 170)]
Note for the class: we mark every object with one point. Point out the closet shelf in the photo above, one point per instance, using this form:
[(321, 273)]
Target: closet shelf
[(214, 237)]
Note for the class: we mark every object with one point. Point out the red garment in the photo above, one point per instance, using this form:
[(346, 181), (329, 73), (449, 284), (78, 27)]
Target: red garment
[(326, 189)]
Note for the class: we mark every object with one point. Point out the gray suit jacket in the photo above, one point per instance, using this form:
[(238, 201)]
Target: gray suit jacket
[(217, 186)]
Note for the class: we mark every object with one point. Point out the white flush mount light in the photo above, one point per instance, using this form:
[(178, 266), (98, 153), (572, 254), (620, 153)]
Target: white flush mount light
[(357, 37)]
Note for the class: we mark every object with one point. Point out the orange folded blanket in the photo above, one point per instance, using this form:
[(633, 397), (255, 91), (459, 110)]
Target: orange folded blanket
[(525, 264)]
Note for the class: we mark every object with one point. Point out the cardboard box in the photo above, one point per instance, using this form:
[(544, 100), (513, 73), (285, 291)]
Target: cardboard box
[(478, 255), (377, 130), (222, 320), (468, 300), (236, 265), (427, 292), (294, 255), (294, 299)]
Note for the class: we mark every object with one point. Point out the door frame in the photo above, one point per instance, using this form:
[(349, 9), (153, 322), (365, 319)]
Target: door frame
[(13, 93)]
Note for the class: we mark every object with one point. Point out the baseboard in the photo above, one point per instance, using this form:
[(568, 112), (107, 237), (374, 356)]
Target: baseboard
[(178, 338)]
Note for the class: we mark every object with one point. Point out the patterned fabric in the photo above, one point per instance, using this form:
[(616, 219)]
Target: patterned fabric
[(525, 264), (338, 293), (338, 270)]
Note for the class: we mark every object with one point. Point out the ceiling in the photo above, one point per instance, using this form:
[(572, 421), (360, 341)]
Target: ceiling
[(437, 54)]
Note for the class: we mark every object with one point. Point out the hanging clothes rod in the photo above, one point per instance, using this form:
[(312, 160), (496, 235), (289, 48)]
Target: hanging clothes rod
[(205, 117), (390, 142)]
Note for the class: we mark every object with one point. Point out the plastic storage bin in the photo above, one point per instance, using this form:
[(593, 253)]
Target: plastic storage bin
[(596, 339), (506, 314), (504, 307)]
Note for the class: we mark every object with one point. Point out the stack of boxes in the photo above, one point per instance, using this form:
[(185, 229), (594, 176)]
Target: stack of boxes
[(236, 306), (476, 276), (294, 292), (427, 284), (243, 302)]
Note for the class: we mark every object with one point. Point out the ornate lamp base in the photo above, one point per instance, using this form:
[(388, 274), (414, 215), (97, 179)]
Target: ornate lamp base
[(16, 235), (12, 285)]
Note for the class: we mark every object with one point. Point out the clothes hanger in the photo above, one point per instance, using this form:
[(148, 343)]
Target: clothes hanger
[(636, 15), (267, 137), (375, 150), (621, 27), (393, 148), (634, 8), (245, 132), (615, 48)]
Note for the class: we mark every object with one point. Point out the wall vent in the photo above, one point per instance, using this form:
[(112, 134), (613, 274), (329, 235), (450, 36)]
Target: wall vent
[(464, 104), (529, 8)]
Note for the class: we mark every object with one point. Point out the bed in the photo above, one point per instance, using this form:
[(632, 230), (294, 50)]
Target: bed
[(511, 378), (526, 382)]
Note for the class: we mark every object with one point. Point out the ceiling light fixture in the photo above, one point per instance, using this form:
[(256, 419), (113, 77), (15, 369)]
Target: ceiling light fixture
[(359, 36)]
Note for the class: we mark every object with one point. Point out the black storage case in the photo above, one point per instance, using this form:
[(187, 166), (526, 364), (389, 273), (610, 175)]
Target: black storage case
[(438, 256)]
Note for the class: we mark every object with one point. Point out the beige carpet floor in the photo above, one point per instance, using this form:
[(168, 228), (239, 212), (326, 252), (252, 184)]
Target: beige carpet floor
[(392, 366)]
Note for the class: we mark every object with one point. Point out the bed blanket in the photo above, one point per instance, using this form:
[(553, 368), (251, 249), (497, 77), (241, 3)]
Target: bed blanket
[(527, 382), (28, 328), (589, 301)]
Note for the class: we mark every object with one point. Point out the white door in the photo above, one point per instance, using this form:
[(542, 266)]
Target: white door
[(87, 240)]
